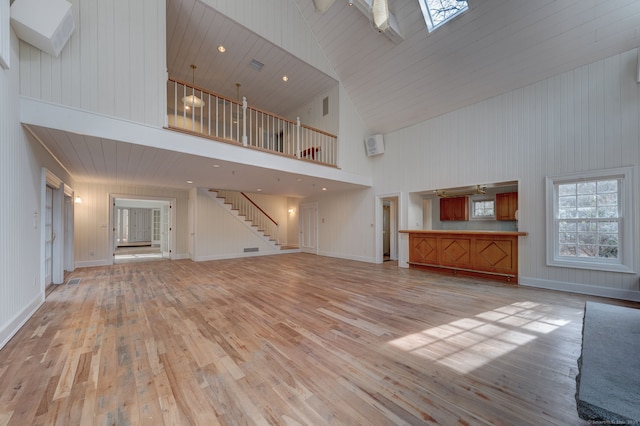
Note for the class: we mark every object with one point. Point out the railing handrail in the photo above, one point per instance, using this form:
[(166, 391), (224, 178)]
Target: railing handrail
[(209, 92), (259, 208), (228, 120), (251, 211)]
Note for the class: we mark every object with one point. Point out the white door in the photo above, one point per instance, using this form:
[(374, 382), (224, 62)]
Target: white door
[(165, 219), (49, 236), (121, 227), (139, 225), (156, 227), (309, 228)]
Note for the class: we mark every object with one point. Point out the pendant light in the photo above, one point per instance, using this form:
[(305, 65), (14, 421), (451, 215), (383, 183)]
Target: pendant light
[(192, 101), (380, 15)]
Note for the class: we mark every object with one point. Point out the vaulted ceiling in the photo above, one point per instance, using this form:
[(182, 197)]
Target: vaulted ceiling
[(495, 47)]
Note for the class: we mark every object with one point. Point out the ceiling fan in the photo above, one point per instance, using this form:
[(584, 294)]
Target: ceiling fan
[(376, 10)]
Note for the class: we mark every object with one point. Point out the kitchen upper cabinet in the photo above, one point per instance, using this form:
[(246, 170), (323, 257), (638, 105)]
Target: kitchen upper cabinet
[(506, 206), (454, 208)]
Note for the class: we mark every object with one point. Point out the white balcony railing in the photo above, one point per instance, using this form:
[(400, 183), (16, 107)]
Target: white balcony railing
[(227, 120)]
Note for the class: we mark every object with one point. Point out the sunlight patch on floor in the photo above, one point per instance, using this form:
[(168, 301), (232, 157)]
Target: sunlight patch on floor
[(468, 343)]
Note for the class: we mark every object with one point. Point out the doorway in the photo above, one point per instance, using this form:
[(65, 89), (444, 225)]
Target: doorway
[(49, 236), (309, 228), (142, 228), (56, 224)]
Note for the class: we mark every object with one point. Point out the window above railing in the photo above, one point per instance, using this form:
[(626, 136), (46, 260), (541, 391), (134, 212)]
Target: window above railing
[(204, 113)]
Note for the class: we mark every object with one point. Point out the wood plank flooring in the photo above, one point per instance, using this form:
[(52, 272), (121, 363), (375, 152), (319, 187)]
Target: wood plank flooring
[(292, 339)]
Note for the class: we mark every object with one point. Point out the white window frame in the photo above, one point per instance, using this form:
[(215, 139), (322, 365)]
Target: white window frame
[(428, 15), (480, 198), (625, 262)]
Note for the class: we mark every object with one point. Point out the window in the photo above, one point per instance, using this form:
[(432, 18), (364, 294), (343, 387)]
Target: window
[(589, 220), (483, 208), (438, 12)]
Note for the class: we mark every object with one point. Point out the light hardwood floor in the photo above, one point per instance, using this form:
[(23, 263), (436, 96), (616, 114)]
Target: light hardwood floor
[(292, 339)]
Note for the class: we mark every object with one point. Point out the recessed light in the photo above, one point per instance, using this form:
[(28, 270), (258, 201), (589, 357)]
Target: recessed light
[(189, 181), (258, 189), (221, 49), (324, 189), (299, 180), (216, 165), (285, 78)]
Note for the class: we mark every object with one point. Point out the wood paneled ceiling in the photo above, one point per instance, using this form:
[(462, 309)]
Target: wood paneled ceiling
[(194, 32)]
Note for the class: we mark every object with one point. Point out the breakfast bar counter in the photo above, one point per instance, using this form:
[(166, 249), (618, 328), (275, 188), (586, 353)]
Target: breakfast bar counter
[(492, 254)]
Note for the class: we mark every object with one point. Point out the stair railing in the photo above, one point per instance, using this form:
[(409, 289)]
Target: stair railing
[(252, 212)]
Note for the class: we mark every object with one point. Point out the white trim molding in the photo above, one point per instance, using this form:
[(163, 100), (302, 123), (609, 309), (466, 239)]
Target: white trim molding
[(626, 231), (5, 34), (19, 320), (591, 290)]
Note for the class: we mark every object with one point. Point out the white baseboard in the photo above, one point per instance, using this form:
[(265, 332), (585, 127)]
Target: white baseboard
[(591, 290), (9, 330), (239, 255), (348, 257), (89, 263)]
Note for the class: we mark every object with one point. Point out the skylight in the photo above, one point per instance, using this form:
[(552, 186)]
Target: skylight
[(438, 12)]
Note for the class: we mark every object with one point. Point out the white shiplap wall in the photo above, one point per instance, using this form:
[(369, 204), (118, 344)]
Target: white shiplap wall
[(585, 119), (19, 262), (220, 235), (310, 112), (92, 219), (346, 224), (21, 162), (114, 63)]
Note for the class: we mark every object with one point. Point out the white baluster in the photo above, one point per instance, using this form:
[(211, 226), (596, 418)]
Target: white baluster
[(297, 136), (244, 121)]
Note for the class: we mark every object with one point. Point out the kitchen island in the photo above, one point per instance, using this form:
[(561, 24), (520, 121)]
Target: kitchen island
[(490, 254)]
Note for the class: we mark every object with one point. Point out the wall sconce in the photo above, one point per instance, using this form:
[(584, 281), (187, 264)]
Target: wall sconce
[(292, 210), (78, 200)]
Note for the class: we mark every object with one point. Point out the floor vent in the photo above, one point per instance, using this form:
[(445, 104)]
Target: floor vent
[(250, 249), (73, 281)]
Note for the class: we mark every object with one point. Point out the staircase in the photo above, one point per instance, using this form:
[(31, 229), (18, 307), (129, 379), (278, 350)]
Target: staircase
[(251, 213)]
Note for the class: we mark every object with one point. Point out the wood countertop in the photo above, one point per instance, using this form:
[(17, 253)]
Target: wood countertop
[(445, 231)]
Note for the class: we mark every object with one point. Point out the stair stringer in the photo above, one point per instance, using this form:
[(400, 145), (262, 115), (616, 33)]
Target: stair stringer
[(235, 213)]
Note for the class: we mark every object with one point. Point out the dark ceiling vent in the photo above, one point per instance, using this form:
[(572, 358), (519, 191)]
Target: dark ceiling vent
[(256, 65)]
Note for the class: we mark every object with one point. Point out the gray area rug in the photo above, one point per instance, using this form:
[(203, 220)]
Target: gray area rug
[(608, 382)]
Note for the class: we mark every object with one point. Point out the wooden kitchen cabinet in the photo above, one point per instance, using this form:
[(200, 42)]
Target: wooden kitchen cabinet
[(454, 208), (506, 206)]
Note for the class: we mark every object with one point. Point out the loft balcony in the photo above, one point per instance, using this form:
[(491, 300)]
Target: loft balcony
[(200, 112)]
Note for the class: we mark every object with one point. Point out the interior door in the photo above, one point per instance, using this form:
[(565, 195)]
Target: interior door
[(386, 231), (156, 234), (165, 219), (49, 236), (309, 228), (139, 225)]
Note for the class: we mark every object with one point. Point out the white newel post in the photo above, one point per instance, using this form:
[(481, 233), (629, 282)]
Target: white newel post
[(244, 121), (297, 136)]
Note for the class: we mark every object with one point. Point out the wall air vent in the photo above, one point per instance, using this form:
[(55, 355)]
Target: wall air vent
[(250, 249), (256, 65)]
